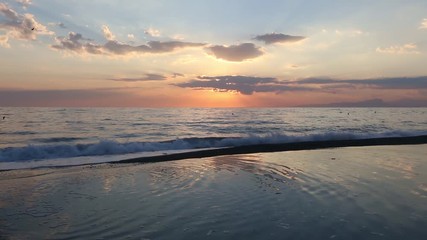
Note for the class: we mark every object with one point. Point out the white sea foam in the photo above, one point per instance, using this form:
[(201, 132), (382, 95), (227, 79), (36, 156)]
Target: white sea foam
[(84, 160), (108, 150)]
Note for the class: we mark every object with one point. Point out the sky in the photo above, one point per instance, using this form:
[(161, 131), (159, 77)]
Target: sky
[(192, 53)]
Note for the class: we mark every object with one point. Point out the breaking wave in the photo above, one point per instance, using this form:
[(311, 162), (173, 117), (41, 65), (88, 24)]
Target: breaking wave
[(111, 147)]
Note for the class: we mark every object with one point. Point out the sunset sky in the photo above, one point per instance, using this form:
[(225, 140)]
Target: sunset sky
[(192, 53)]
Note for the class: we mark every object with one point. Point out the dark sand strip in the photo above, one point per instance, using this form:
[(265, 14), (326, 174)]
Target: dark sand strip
[(295, 146)]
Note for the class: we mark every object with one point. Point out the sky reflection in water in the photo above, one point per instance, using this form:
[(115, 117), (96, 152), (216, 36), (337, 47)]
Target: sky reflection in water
[(360, 193)]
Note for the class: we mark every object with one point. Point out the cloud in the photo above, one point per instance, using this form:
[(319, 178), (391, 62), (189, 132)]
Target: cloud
[(59, 24), (375, 102), (73, 42), (246, 85), (349, 33), (116, 47), (236, 53), (146, 77), (4, 41), (160, 47), (424, 24), (20, 26), (382, 83), (25, 3), (76, 43), (152, 32), (131, 36), (409, 48), (175, 75), (9, 13), (107, 33), (272, 38), (62, 98)]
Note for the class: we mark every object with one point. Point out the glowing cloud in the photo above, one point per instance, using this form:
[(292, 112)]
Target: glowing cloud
[(107, 33), (152, 32), (20, 26), (424, 24), (409, 48), (236, 53), (4, 41), (272, 38)]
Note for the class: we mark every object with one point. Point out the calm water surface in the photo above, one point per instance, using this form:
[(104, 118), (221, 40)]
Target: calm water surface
[(348, 193)]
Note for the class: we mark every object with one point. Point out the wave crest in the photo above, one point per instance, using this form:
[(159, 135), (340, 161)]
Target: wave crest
[(111, 147)]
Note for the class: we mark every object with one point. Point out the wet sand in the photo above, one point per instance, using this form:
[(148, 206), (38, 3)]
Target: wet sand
[(376, 192)]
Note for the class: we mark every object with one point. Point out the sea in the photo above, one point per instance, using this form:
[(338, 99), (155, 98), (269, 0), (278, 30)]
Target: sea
[(38, 137), (368, 192)]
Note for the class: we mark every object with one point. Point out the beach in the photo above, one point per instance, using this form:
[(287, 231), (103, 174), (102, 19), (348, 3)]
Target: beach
[(371, 192), (249, 120)]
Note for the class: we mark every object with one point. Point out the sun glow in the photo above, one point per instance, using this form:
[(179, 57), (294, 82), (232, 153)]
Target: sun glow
[(215, 98)]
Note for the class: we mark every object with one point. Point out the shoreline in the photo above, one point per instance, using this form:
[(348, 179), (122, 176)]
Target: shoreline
[(246, 149), (280, 147)]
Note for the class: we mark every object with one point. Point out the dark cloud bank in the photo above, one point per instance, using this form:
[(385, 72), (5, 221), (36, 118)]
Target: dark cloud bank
[(248, 85), (272, 38), (384, 83), (59, 98), (376, 102), (242, 84)]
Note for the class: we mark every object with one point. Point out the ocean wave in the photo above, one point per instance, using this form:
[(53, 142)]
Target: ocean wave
[(111, 147), (57, 139), (18, 133)]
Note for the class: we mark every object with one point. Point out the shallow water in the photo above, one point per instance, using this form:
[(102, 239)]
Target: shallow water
[(346, 193)]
